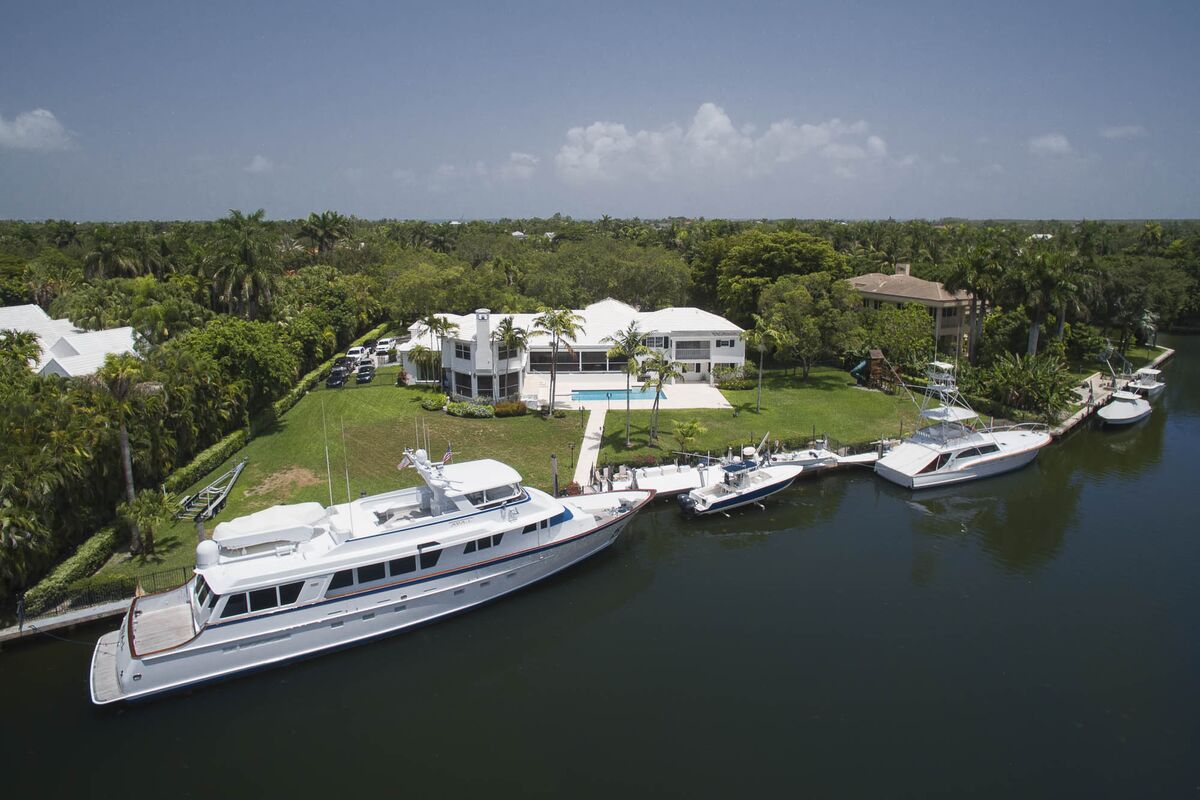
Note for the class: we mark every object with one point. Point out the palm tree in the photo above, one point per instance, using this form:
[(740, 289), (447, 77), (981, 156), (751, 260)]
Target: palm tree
[(248, 264), (511, 338), (109, 256), (425, 360), (121, 380), (563, 325), (20, 347), (325, 229), (1039, 276), (146, 513), (627, 343), (761, 337), (662, 371)]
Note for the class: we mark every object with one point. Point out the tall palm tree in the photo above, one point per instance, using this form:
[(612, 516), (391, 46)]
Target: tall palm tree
[(563, 325), (20, 347), (627, 343), (109, 256), (511, 339), (121, 381), (761, 337), (1039, 275), (324, 230), (662, 371), (247, 266)]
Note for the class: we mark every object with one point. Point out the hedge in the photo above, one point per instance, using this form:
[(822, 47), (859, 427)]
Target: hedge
[(88, 558), (285, 403), (470, 410), (435, 403), (511, 408)]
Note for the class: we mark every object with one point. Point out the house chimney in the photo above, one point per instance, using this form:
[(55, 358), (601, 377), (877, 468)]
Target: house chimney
[(904, 269), (483, 340)]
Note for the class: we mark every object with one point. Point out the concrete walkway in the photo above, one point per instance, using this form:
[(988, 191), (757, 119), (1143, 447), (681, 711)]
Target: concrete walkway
[(589, 450), (68, 619)]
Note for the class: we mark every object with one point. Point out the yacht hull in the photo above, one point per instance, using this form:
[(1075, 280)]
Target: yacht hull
[(226, 650), (690, 508)]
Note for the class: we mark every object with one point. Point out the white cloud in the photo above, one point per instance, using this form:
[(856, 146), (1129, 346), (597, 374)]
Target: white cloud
[(1050, 144), (520, 166), (405, 176), (1123, 132), (260, 165), (710, 145), (948, 160), (34, 130), (991, 169)]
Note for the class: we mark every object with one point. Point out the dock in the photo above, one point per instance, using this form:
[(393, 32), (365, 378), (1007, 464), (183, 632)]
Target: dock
[(1096, 392), (64, 621)]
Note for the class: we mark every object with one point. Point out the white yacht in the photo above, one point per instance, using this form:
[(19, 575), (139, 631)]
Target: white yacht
[(955, 446), (748, 481), (817, 457), (1126, 408), (1146, 382), (295, 580)]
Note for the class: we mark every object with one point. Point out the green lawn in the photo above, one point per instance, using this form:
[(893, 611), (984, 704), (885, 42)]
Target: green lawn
[(288, 464), (828, 402)]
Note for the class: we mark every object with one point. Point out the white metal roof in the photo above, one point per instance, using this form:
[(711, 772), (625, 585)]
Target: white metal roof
[(66, 350)]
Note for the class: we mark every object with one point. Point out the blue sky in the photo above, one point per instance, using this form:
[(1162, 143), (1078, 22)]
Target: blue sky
[(172, 110)]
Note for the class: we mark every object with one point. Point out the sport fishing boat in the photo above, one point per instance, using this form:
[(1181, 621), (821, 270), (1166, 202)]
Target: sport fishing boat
[(1147, 383), (955, 446), (295, 580), (750, 480), (1126, 408), (816, 457)]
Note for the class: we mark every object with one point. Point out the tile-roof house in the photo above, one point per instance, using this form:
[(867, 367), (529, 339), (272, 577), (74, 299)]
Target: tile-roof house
[(66, 350), (950, 310)]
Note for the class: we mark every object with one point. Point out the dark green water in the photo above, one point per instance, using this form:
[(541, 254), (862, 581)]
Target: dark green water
[(1034, 634)]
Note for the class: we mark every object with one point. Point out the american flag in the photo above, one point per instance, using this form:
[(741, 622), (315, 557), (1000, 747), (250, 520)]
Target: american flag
[(449, 453)]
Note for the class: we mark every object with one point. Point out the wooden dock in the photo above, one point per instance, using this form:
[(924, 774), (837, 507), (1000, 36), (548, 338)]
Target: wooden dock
[(1096, 392), (64, 621)]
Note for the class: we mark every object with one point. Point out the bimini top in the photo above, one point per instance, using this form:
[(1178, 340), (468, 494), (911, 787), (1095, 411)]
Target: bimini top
[(1149, 372), (287, 523), (474, 476), (1128, 397), (948, 414)]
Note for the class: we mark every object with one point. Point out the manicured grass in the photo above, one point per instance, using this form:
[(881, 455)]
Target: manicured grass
[(828, 402), (288, 464)]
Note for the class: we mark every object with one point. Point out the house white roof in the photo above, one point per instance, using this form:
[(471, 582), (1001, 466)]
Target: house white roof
[(600, 319), (66, 350)]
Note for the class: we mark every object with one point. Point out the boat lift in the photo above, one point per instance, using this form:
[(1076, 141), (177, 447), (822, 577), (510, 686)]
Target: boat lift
[(208, 502)]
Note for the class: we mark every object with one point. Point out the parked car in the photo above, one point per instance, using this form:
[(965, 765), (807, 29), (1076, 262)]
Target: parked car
[(385, 345), (355, 353), (336, 379), (366, 361), (366, 373), (344, 362), (370, 345)]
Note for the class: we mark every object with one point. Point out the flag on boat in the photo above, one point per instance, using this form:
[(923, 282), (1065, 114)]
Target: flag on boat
[(448, 454), (404, 462)]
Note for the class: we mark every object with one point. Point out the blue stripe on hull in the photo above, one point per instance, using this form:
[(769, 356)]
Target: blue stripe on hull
[(741, 500)]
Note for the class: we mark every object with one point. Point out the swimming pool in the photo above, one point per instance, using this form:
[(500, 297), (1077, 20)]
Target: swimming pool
[(614, 394)]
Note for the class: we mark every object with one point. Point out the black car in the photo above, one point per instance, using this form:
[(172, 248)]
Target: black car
[(336, 379), (366, 373), (344, 363), (369, 345)]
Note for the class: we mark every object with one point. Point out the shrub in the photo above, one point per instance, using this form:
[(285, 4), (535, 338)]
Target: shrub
[(470, 410), (206, 462), (401, 376), (103, 586), (574, 489), (88, 558), (435, 403), (560, 413), (511, 408)]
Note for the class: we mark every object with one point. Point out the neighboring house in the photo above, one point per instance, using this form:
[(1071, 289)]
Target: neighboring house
[(66, 350), (950, 311), (697, 339)]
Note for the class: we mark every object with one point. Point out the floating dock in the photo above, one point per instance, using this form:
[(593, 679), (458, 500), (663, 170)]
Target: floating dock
[(1096, 392)]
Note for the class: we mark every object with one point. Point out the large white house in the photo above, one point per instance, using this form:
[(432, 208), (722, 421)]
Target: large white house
[(471, 356), (66, 350)]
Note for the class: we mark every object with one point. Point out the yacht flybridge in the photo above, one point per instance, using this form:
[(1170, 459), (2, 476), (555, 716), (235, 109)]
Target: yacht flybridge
[(294, 580), (953, 446)]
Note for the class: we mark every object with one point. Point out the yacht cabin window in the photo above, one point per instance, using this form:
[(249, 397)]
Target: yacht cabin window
[(369, 574), (495, 495), (429, 558)]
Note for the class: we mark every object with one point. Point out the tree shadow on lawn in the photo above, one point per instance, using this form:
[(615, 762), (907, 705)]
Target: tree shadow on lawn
[(823, 381)]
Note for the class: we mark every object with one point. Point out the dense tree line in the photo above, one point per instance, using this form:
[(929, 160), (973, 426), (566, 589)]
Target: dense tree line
[(229, 312)]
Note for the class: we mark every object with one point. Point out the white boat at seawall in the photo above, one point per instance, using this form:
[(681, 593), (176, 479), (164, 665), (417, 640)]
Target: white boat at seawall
[(953, 447), (1126, 408), (812, 458), (1147, 383), (667, 480), (748, 481), (295, 580)]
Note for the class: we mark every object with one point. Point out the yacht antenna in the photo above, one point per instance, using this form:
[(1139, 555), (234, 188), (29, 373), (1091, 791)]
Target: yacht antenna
[(325, 439), (426, 429), (346, 462)]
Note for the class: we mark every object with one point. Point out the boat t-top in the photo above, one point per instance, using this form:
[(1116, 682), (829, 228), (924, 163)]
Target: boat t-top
[(1146, 382), (954, 446), (1125, 408), (295, 580)]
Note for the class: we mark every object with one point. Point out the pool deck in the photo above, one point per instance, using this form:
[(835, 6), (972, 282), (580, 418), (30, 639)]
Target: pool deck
[(677, 395)]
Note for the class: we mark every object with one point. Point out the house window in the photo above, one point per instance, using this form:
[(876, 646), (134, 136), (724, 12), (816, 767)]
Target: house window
[(483, 384), (594, 361), (462, 385), (659, 342), (726, 342), (510, 384), (462, 351), (690, 351), (949, 312), (506, 353)]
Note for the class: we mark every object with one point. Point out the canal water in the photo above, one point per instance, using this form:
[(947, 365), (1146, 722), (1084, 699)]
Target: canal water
[(1035, 634)]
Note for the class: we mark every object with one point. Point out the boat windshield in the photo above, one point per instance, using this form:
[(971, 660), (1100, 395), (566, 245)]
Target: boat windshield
[(498, 494)]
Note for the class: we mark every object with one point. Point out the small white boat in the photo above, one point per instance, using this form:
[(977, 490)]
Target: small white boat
[(743, 483), (819, 456), (297, 580), (669, 479), (954, 448), (1147, 383), (1126, 408)]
